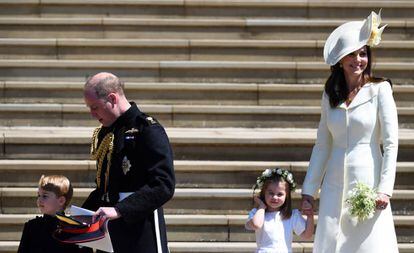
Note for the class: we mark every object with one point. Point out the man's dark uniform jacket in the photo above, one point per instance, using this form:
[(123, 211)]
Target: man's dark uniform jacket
[(141, 163), (37, 237)]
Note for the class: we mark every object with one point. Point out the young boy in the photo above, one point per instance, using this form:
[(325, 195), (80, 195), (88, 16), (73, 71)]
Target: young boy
[(54, 194)]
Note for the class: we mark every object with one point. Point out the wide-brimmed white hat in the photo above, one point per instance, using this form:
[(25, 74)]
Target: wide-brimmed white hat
[(351, 36)]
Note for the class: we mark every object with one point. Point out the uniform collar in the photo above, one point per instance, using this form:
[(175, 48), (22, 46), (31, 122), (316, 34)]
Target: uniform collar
[(365, 94), (126, 118)]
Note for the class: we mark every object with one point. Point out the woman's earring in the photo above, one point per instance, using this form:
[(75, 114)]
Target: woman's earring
[(340, 65)]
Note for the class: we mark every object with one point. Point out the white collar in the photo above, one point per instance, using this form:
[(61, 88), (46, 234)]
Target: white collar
[(365, 94)]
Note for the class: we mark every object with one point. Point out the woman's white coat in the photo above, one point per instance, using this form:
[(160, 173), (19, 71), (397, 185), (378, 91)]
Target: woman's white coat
[(347, 151)]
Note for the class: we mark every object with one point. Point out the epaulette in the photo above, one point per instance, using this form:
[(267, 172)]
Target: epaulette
[(151, 120), (146, 120)]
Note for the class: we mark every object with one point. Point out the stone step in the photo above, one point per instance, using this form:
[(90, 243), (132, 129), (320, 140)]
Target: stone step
[(245, 247), (189, 174), (185, 49), (214, 247), (67, 115), (200, 228), (193, 247), (189, 71), (207, 8), (29, 92), (185, 201), (180, 93), (239, 144), (186, 28)]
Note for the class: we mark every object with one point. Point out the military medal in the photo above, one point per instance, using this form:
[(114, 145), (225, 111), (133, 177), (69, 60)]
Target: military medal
[(131, 131), (126, 165)]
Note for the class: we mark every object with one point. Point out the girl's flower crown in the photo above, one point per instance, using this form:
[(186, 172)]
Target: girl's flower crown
[(270, 173)]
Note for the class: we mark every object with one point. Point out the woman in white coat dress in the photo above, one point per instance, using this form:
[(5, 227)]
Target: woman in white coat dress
[(358, 113)]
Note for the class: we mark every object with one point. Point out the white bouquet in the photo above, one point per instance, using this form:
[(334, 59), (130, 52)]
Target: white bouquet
[(361, 201)]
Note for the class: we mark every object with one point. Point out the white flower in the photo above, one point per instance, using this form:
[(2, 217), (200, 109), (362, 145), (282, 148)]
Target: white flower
[(267, 173), (376, 32), (289, 177), (361, 201)]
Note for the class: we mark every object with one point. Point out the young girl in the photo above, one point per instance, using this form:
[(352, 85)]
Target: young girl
[(273, 218)]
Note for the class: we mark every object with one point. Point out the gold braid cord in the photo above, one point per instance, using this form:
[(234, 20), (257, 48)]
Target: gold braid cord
[(105, 149)]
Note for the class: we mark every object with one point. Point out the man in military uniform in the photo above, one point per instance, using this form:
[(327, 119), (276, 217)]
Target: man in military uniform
[(135, 174)]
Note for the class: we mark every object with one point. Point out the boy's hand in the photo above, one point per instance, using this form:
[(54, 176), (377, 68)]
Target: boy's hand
[(260, 204)]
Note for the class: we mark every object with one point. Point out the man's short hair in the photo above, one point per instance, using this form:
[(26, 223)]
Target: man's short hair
[(59, 185), (105, 84)]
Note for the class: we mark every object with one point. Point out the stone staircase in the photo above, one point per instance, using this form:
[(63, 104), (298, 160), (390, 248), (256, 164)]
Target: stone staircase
[(237, 84)]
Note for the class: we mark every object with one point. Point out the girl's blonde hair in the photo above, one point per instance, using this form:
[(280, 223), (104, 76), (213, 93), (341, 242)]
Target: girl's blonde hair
[(59, 185)]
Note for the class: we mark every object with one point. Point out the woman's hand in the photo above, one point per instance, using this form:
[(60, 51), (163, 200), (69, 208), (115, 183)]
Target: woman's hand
[(307, 205), (382, 201), (259, 203)]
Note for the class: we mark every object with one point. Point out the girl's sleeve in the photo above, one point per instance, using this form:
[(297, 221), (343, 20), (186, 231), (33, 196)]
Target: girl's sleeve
[(387, 113), (299, 223), (320, 153), (250, 216)]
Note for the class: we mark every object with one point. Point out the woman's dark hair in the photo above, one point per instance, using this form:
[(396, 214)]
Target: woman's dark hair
[(286, 208), (336, 87)]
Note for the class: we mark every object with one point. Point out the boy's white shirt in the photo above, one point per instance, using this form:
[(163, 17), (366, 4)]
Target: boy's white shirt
[(103, 244)]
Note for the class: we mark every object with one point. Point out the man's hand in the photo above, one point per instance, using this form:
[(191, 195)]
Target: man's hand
[(106, 213)]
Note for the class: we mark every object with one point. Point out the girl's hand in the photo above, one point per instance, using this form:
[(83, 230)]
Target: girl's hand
[(382, 201), (260, 204)]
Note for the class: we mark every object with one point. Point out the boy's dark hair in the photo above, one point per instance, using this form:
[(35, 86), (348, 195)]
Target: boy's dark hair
[(59, 185)]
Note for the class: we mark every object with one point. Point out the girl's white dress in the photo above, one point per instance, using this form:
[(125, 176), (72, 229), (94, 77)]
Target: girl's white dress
[(276, 235)]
